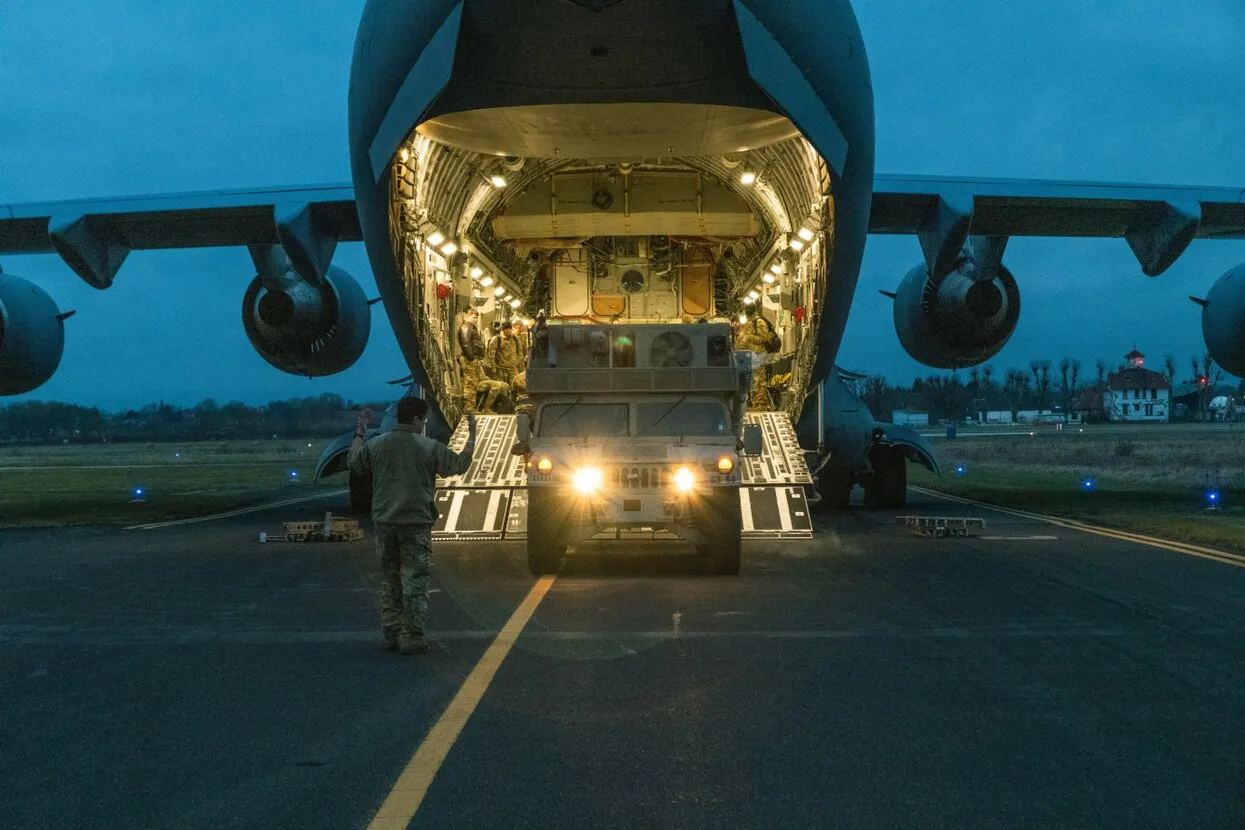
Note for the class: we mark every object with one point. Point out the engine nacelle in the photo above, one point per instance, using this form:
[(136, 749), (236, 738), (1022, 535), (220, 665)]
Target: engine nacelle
[(304, 329), (32, 336), (1223, 321), (961, 319)]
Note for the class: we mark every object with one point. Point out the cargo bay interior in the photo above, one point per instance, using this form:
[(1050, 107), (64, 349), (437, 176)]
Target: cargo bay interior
[(515, 212)]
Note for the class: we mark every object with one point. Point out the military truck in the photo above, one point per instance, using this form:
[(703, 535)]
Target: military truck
[(634, 425)]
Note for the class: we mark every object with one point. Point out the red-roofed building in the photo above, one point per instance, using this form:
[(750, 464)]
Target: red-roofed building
[(1135, 394)]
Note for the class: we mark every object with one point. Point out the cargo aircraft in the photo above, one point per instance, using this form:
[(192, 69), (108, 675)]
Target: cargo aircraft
[(636, 160)]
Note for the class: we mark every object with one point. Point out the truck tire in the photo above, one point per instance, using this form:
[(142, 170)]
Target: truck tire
[(721, 523), (361, 495), (888, 487), (545, 532), (834, 485)]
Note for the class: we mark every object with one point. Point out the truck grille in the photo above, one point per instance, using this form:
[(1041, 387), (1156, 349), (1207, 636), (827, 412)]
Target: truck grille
[(638, 477)]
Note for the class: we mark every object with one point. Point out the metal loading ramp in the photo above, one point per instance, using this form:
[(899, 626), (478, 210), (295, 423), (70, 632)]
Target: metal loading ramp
[(489, 501), (773, 499)]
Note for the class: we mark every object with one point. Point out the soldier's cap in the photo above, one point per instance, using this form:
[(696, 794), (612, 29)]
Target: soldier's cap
[(506, 326)]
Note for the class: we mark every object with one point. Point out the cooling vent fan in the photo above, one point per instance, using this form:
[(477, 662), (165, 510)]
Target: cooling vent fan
[(671, 349)]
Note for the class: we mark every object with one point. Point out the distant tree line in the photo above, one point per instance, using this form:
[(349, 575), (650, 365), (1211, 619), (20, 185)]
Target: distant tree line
[(1044, 385), (39, 422)]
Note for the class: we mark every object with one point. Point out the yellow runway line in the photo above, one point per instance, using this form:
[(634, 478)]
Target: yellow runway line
[(412, 785), (1185, 548)]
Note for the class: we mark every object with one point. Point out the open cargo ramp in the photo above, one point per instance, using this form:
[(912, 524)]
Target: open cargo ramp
[(489, 501)]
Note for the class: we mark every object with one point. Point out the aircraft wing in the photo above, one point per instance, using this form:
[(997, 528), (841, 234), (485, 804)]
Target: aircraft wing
[(1158, 222), (94, 235)]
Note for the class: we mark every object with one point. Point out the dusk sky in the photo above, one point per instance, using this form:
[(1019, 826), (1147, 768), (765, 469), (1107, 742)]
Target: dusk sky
[(146, 96)]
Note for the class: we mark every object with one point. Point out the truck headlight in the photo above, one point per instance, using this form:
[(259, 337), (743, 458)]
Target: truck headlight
[(544, 466), (588, 480), (725, 465), (684, 479)]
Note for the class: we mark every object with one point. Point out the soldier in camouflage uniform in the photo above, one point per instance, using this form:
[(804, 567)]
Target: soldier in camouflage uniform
[(757, 336), (525, 342), (506, 358), (404, 465), (471, 354)]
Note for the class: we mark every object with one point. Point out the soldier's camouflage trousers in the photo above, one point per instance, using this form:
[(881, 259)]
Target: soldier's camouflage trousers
[(759, 399), (405, 553), (475, 381)]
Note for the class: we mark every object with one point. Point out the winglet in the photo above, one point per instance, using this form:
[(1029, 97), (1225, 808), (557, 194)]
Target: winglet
[(1200, 301), (884, 293)]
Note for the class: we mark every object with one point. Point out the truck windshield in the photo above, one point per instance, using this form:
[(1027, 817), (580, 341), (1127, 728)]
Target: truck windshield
[(704, 418), (584, 420)]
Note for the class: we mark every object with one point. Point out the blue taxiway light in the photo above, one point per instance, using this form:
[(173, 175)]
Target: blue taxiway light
[(1212, 496), (1088, 484), (293, 473), (959, 469), (138, 491)]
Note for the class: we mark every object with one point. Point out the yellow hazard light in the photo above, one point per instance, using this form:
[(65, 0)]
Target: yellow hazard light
[(588, 480), (725, 465), (545, 466), (684, 479)]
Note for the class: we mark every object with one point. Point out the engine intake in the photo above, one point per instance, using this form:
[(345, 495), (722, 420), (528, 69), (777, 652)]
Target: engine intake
[(306, 329), (960, 319), (32, 336), (1223, 321)]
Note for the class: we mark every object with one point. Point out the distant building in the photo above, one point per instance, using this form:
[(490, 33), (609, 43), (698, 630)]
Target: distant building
[(1089, 406), (911, 419), (1136, 394)]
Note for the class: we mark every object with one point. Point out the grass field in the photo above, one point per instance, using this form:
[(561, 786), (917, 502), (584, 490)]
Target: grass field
[(100, 483), (1146, 478)]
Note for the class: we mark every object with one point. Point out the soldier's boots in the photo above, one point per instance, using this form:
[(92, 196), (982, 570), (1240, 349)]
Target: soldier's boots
[(389, 640), (415, 645)]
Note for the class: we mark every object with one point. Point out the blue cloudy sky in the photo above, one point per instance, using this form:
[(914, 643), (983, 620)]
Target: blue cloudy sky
[(147, 96)]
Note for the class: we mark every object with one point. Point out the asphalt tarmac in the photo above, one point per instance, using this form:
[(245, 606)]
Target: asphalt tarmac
[(1035, 676)]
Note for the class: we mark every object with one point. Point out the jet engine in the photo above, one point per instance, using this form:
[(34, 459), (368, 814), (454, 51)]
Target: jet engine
[(1223, 321), (305, 329), (960, 319), (32, 335)]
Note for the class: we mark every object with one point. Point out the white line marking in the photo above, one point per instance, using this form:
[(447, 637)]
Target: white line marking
[(784, 515), (745, 503), (1224, 557), (490, 516), (456, 507), (412, 785), (1017, 538), (239, 512)]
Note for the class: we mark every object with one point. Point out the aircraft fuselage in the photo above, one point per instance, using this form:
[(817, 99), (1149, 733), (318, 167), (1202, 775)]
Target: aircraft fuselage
[(447, 96)]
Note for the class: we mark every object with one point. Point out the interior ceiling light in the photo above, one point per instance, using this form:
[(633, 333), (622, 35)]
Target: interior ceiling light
[(436, 238), (404, 154), (498, 291), (797, 244), (806, 234), (497, 181), (776, 267), (476, 272), (449, 249), (486, 282), (516, 302), (768, 279), (747, 301), (754, 295), (748, 177)]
